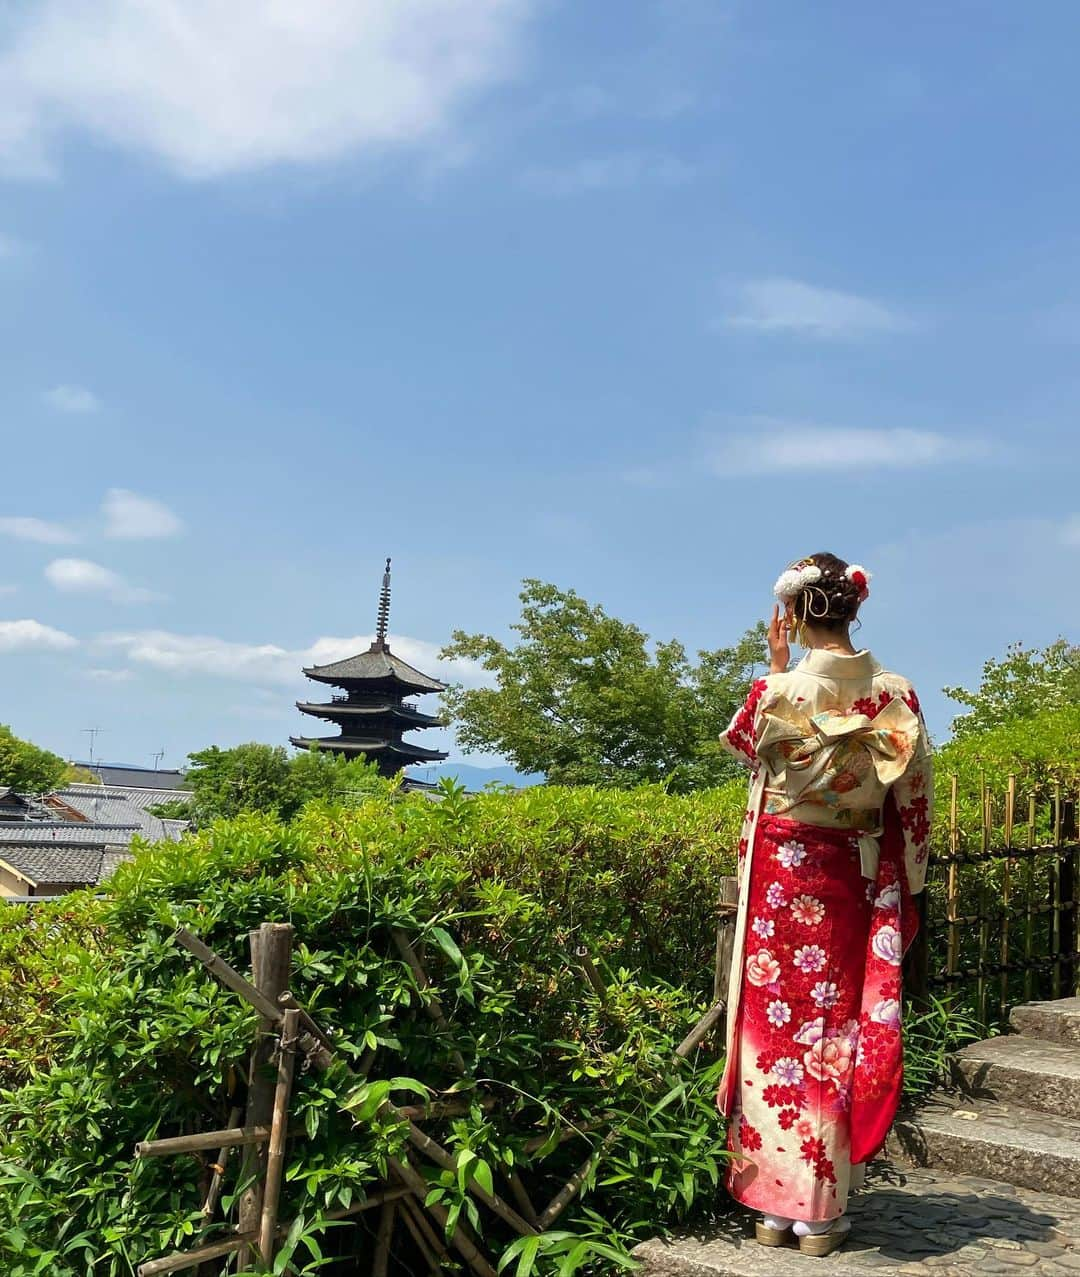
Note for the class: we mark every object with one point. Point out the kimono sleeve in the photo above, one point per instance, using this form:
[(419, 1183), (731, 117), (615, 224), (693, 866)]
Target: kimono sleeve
[(739, 737), (914, 795)]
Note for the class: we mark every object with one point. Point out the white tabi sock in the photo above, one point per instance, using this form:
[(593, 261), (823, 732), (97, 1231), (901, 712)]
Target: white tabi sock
[(780, 1222)]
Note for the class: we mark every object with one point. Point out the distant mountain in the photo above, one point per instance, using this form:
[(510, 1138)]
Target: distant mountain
[(475, 777)]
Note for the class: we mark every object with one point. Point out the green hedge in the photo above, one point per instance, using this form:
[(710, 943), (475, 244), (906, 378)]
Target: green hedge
[(113, 1034)]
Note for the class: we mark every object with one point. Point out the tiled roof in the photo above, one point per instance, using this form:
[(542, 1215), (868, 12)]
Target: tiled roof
[(60, 865), (62, 833), (121, 804), (136, 777), (377, 663)]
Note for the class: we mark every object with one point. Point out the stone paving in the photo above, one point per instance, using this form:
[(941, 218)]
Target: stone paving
[(918, 1223)]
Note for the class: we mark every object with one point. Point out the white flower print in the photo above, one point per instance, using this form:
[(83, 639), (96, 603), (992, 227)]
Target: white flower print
[(763, 927), (778, 1013), (788, 1071), (808, 910), (887, 1011), (776, 896), (810, 958), (791, 854), (889, 898), (825, 993), (810, 1031), (888, 945)]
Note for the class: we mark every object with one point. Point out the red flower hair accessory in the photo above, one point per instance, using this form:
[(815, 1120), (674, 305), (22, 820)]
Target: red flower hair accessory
[(859, 578)]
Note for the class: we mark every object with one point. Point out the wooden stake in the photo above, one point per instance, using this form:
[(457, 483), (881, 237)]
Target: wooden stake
[(427, 1240), (725, 936), (1029, 921), (572, 1187), (177, 1262), (694, 1037), (231, 1137), (275, 1153), (951, 889), (521, 1196), (466, 1248), (217, 1178), (381, 1261), (271, 953), (1055, 898)]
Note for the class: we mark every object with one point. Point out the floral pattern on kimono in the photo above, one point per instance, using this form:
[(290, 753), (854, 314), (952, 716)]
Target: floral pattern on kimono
[(834, 843)]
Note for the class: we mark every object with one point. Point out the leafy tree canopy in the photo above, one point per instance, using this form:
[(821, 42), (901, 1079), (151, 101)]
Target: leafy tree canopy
[(1028, 682), (254, 777), (586, 698), (26, 767)]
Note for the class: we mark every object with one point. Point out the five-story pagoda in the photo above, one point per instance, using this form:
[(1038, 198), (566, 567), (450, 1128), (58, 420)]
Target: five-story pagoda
[(371, 712)]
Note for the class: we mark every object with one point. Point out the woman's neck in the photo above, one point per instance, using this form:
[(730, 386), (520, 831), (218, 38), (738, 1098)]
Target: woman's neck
[(828, 641)]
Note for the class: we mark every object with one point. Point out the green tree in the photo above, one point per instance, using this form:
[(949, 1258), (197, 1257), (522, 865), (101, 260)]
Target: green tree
[(586, 698), (254, 777), (1028, 682), (27, 767)]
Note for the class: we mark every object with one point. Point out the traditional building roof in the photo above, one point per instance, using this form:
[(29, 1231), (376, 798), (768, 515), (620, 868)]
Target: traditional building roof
[(365, 711), (122, 804), (57, 866), (378, 665), (136, 777), (374, 746)]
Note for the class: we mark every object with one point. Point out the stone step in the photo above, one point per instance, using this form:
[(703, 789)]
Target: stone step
[(907, 1222), (1021, 1146), (1024, 1071), (1057, 1021)]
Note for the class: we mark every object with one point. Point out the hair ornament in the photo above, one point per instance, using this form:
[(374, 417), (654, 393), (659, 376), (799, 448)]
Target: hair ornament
[(793, 580), (859, 578)]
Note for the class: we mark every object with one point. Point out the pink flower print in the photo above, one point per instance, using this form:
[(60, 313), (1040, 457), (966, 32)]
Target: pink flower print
[(791, 854), (825, 993), (888, 945), (810, 1031), (778, 1013), (889, 898), (763, 928), (776, 896), (762, 969), (829, 1060), (804, 1129), (810, 958), (887, 1011), (788, 1071), (807, 910)]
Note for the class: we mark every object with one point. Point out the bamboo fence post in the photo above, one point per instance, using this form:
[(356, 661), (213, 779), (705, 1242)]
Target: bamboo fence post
[(275, 1151), (218, 1169), (521, 1196), (592, 976), (271, 954), (951, 886), (984, 843), (431, 1258), (1029, 921), (699, 1031), (460, 1240), (1055, 898), (1006, 892), (572, 1187), (727, 908)]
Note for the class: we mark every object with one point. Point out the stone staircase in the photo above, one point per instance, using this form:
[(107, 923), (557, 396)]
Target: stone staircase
[(1017, 1116), (982, 1181)]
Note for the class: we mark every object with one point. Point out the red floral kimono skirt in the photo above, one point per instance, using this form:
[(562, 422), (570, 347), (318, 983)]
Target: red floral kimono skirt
[(818, 1071)]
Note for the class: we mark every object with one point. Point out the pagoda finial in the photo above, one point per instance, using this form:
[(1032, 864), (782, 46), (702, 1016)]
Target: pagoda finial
[(384, 608)]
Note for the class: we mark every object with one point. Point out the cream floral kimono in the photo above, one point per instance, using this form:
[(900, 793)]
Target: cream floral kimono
[(834, 844)]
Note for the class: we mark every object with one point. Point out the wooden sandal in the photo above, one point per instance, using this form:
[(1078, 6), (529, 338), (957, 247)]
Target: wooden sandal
[(822, 1244), (767, 1236)]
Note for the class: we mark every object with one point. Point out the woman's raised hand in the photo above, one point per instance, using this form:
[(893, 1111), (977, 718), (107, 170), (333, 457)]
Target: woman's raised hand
[(779, 647)]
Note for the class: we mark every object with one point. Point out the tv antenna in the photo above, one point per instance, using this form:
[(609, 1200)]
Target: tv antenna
[(157, 758), (92, 732)]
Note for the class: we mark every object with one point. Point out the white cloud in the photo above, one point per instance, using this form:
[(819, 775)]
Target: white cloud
[(129, 516), (608, 172), (8, 589), (774, 446), (779, 305), (211, 87), (110, 676), (268, 663), (81, 576), (16, 636), (25, 528), (75, 400)]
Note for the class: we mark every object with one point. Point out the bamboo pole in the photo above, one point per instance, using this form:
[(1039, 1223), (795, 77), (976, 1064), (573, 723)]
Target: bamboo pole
[(218, 1168), (521, 1196), (231, 1137), (383, 1236), (980, 983), (951, 889), (466, 1248), (592, 976), (408, 1214), (698, 1032), (1006, 895), (727, 909), (1055, 898), (1029, 921), (271, 954), (275, 1153), (572, 1187), (570, 1133), (431, 1002)]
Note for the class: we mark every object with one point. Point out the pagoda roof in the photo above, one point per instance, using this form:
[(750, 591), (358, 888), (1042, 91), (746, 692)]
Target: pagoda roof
[(370, 745), (377, 664), (334, 710)]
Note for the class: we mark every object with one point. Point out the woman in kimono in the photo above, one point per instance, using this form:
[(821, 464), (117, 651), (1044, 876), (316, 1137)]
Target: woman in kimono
[(833, 847)]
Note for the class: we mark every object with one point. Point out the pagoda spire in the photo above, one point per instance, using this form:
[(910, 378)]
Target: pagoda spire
[(383, 620)]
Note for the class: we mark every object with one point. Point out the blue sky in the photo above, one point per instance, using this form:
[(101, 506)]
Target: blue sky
[(646, 299)]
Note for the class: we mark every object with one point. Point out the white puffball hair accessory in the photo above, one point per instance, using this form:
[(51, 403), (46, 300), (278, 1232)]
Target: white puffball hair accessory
[(860, 578), (791, 582)]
